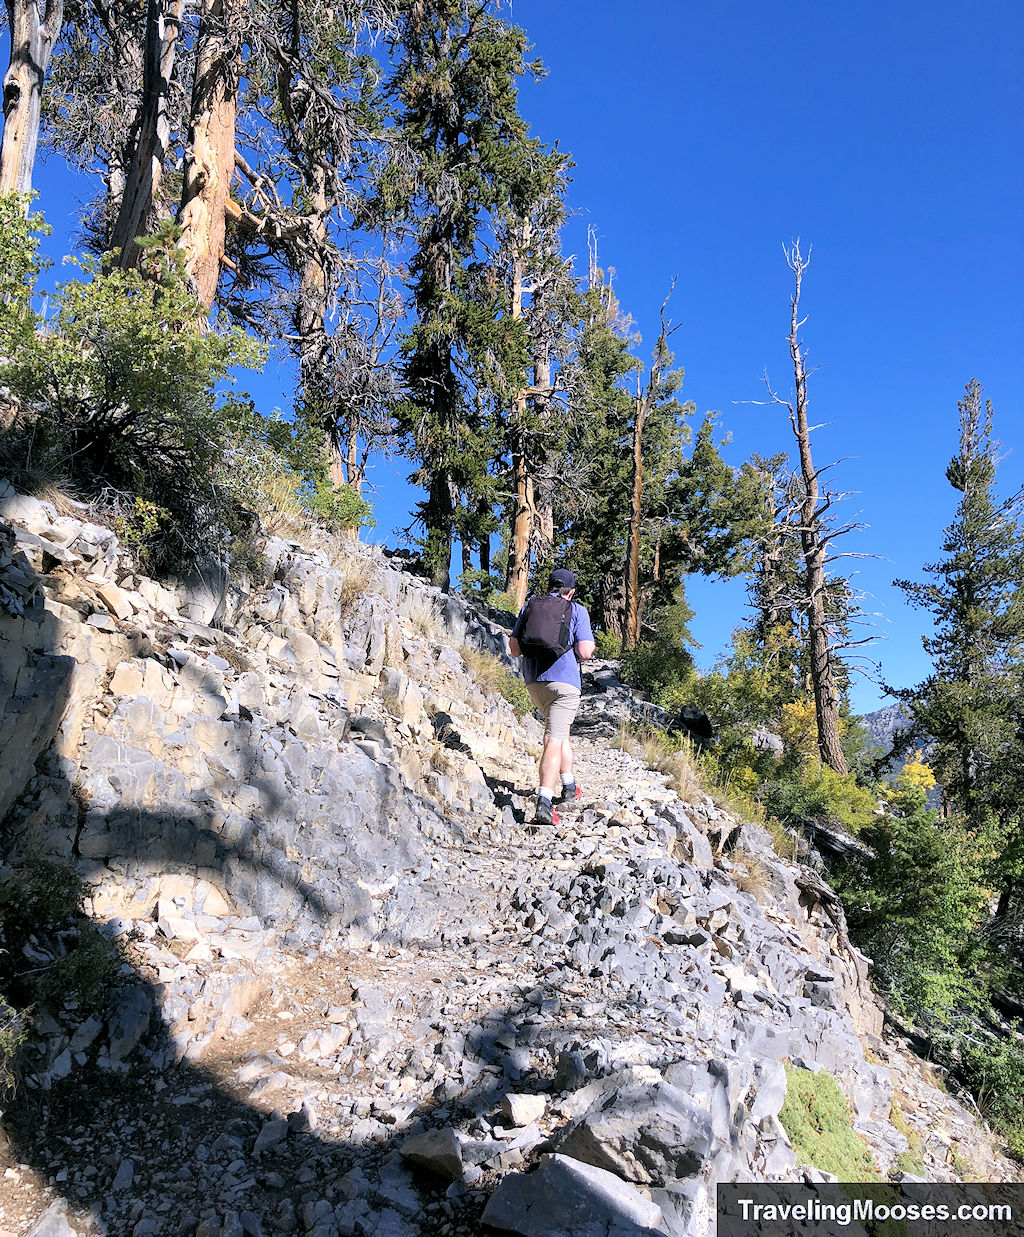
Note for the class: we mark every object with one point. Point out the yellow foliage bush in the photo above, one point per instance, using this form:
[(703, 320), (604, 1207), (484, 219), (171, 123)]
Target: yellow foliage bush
[(798, 726), (916, 774)]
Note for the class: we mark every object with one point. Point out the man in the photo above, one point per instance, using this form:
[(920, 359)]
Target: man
[(553, 681)]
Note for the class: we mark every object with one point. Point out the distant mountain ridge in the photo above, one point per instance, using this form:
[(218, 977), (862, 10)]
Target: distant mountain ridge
[(885, 724)]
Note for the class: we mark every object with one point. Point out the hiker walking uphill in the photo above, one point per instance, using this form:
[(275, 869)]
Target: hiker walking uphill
[(553, 635)]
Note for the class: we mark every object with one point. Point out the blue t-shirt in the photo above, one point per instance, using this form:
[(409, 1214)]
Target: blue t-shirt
[(567, 668)]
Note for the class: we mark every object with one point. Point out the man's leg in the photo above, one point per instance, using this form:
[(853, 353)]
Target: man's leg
[(551, 762), (560, 718), (547, 776)]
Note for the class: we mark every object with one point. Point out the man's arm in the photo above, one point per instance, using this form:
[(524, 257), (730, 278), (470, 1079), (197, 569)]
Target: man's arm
[(585, 645), (513, 647)]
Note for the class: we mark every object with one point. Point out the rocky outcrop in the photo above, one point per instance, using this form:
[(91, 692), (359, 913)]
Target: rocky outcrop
[(365, 997)]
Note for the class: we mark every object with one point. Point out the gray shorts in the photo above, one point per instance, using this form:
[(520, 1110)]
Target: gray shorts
[(558, 702)]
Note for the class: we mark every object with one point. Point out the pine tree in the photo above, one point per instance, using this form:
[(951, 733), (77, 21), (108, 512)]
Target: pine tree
[(542, 299), (971, 703), (593, 495), (462, 138)]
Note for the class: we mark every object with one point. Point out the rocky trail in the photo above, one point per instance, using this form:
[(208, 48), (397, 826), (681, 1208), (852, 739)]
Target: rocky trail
[(562, 1032)]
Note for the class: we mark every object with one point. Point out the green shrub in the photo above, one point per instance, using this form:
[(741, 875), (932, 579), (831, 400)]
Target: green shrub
[(662, 664), (120, 392), (42, 899), (813, 791), (663, 670), (819, 1123), (40, 894), (487, 587), (13, 1033), (908, 1162), (86, 973), (608, 644), (339, 508), (258, 469), (504, 601), (20, 266), (914, 904), (994, 1073)]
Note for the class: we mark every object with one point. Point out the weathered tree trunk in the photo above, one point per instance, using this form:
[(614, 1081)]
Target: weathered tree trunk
[(484, 550), (438, 516), (645, 400), (135, 215), (312, 343), (815, 546), (33, 34), (522, 520), (613, 605), (354, 472), (1005, 899), (210, 154), (545, 481), (631, 628)]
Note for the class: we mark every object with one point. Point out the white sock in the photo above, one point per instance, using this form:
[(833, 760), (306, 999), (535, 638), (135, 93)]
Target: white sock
[(545, 794), (568, 779)]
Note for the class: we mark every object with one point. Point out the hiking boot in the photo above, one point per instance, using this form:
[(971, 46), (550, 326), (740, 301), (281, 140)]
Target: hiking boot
[(568, 794), (544, 815)]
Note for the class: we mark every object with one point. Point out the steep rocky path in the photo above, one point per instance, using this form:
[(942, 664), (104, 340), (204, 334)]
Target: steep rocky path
[(561, 957), (364, 995)]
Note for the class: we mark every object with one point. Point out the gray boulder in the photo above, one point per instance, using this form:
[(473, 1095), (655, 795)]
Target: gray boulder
[(131, 1011), (565, 1198), (53, 1222), (646, 1134), (438, 1150)]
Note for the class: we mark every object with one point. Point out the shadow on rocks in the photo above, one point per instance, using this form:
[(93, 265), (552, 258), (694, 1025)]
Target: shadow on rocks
[(134, 1137), (150, 1145)]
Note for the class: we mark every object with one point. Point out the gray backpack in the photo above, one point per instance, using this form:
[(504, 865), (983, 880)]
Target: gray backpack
[(545, 633)]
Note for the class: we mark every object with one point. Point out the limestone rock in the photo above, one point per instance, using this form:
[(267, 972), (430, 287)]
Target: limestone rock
[(523, 1109), (438, 1150), (53, 1222), (565, 1197), (647, 1134)]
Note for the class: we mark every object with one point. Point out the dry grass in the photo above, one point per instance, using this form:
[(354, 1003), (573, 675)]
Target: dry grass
[(786, 844), (357, 574), (496, 679), (658, 752), (60, 493), (446, 762), (687, 774), (236, 658), (487, 670), (281, 511), (425, 619), (755, 879)]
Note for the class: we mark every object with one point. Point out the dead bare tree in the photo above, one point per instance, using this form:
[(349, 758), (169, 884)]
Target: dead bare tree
[(34, 26), (152, 135), (815, 535), (646, 399), (538, 280)]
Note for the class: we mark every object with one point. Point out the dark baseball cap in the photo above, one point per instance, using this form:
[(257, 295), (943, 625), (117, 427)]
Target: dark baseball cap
[(561, 577)]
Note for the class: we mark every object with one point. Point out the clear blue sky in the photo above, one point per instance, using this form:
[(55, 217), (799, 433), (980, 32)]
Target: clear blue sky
[(706, 136), (888, 136)]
